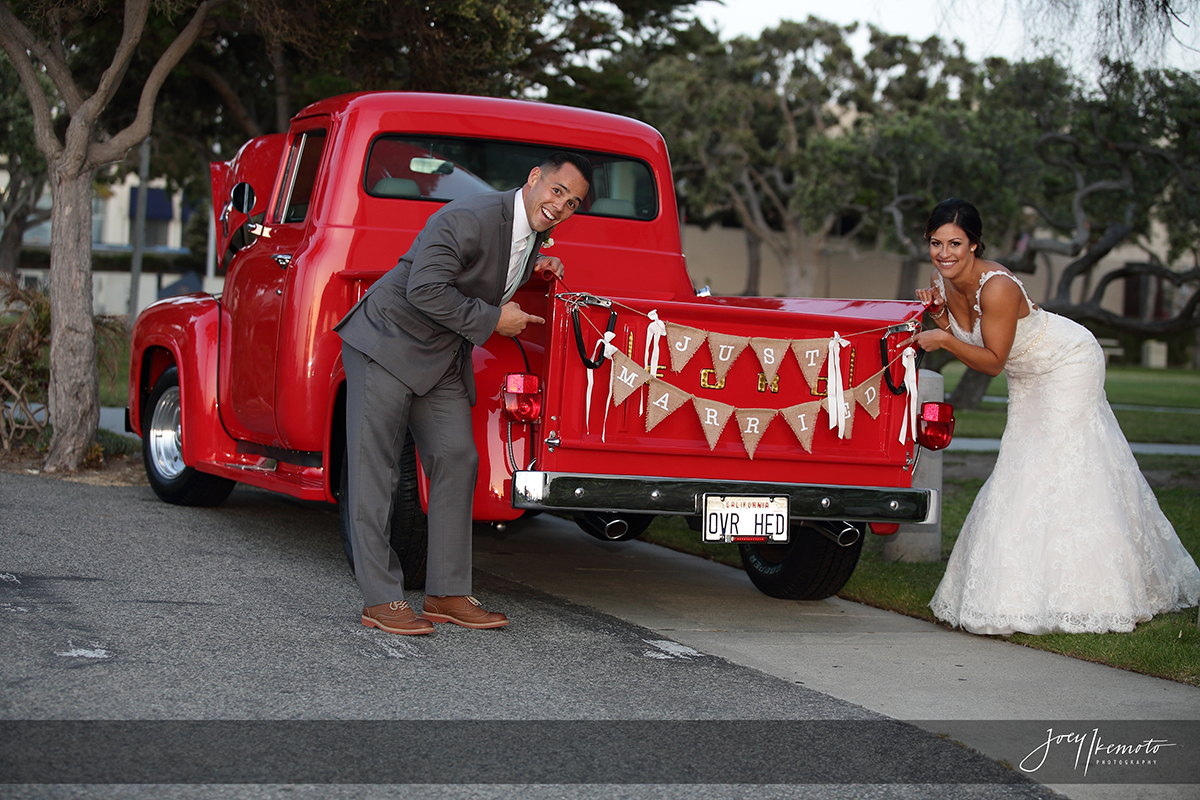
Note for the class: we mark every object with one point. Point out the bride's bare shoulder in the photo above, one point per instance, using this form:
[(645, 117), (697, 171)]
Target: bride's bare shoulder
[(1000, 293)]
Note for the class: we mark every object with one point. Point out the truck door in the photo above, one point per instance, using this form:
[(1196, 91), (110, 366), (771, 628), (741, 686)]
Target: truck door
[(256, 294)]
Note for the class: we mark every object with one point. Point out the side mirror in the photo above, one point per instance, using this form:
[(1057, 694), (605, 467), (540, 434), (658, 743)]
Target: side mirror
[(243, 198)]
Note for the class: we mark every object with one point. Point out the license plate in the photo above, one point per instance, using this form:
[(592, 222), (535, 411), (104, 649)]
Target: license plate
[(745, 518)]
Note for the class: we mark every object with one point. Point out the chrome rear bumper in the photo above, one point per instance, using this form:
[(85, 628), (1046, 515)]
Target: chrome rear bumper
[(558, 491)]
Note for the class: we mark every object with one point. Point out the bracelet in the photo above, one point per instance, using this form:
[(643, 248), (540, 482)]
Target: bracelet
[(939, 316)]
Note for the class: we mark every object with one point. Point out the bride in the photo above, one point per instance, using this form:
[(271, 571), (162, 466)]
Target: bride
[(1066, 535)]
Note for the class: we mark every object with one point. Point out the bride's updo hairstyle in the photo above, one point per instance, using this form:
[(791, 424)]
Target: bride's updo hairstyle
[(953, 211)]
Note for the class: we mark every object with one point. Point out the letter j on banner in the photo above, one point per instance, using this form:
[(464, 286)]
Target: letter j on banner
[(683, 342)]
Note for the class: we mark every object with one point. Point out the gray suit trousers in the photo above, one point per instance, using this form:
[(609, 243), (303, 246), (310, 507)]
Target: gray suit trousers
[(380, 408)]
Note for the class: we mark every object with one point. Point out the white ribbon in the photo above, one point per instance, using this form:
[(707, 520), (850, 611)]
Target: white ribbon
[(909, 359), (655, 331), (836, 395), (606, 343)]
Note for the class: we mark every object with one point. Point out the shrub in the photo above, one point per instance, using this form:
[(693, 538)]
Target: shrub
[(24, 370)]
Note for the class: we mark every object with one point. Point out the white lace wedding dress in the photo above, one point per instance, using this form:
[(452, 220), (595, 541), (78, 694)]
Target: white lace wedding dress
[(1066, 535)]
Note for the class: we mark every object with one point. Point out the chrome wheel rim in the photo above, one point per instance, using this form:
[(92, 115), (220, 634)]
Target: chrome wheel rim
[(166, 436)]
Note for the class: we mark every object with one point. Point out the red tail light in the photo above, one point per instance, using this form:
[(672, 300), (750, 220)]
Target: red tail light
[(935, 429), (522, 397)]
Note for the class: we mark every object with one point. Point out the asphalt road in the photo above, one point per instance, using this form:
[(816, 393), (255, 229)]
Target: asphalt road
[(151, 650)]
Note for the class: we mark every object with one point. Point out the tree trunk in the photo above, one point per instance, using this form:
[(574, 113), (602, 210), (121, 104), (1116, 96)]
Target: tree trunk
[(10, 247), (970, 390), (74, 383), (283, 95), (753, 264), (139, 234), (909, 269), (797, 277)]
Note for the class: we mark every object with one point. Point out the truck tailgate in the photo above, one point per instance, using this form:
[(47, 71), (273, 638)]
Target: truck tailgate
[(585, 432)]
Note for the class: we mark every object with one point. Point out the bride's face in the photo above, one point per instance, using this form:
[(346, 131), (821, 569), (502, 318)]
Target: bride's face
[(951, 250)]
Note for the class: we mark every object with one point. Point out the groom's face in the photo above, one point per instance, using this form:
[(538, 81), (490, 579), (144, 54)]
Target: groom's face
[(553, 196)]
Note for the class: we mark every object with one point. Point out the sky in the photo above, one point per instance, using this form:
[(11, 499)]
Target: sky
[(985, 27)]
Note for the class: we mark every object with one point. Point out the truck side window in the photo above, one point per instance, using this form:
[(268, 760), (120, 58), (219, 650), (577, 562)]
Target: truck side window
[(303, 160)]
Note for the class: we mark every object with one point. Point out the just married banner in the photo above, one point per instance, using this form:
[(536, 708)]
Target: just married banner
[(815, 357)]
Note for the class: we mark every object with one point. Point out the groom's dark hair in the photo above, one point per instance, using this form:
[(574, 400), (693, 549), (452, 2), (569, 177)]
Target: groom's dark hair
[(556, 160), (953, 211)]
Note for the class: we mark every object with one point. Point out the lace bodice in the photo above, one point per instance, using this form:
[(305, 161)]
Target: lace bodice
[(1031, 329)]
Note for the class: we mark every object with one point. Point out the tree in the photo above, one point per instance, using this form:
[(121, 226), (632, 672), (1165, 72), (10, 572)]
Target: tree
[(595, 54), (927, 143), (1123, 28), (44, 46), (26, 169), (1057, 169), (753, 124), (1125, 164)]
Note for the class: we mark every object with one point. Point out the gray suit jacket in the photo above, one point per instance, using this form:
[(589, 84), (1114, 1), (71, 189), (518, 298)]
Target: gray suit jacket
[(443, 297)]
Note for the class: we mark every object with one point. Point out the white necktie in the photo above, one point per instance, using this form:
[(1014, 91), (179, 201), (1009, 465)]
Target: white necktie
[(516, 266)]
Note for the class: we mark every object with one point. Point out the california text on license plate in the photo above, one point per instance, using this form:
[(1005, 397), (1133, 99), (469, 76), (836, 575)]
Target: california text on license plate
[(745, 518)]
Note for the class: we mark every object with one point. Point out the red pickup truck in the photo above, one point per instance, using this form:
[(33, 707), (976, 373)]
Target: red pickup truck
[(639, 397)]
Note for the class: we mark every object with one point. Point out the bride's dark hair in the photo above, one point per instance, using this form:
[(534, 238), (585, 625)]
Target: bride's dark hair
[(960, 213)]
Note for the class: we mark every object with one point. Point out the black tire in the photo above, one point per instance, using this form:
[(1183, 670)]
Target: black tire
[(162, 451), (809, 567), (410, 526), (594, 524)]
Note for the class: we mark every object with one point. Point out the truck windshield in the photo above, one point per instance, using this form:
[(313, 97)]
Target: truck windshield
[(446, 168)]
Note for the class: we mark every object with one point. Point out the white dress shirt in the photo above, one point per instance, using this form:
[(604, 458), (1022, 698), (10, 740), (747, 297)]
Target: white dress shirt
[(522, 240)]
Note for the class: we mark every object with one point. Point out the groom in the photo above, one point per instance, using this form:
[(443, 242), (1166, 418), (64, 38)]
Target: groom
[(406, 348)]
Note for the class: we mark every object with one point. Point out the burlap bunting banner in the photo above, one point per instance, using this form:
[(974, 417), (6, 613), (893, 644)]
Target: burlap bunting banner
[(752, 423), (811, 353), (866, 394), (664, 400), (683, 342), (627, 377), (848, 402), (713, 416), (770, 355), (802, 419), (725, 350)]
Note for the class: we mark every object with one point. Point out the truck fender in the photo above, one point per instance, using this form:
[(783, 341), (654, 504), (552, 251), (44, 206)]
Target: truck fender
[(164, 333), (493, 488)]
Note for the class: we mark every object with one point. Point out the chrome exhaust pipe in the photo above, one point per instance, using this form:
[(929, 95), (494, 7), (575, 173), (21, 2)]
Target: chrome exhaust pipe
[(843, 534), (605, 527), (616, 529)]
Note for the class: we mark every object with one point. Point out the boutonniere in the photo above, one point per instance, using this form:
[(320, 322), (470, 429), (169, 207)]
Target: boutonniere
[(548, 242)]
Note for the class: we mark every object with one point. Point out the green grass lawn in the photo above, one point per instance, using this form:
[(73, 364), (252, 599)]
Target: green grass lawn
[(113, 357), (987, 422), (1168, 646), (1168, 388), (1124, 385)]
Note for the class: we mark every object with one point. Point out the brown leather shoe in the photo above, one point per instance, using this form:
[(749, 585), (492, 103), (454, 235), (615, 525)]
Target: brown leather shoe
[(462, 610), (396, 617)]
